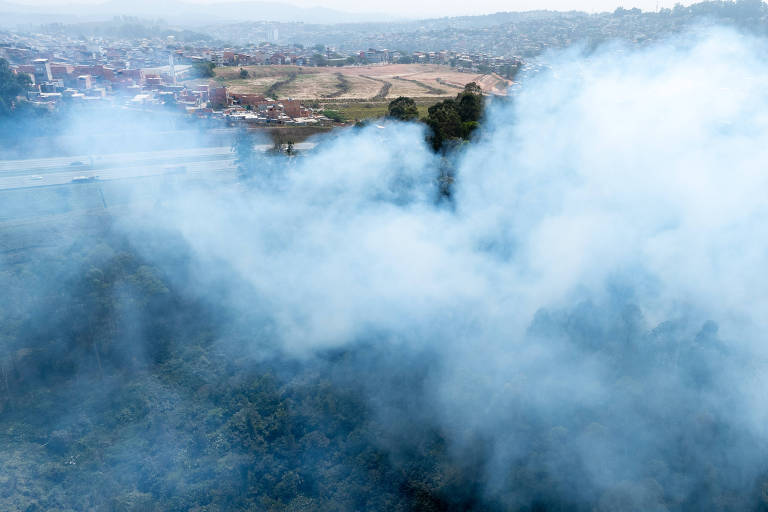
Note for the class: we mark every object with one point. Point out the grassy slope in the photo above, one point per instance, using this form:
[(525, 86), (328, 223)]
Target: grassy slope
[(371, 110)]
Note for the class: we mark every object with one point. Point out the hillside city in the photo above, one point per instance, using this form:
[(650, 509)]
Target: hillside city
[(140, 64), (161, 72)]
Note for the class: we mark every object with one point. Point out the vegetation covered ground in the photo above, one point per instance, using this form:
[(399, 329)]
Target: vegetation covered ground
[(152, 403)]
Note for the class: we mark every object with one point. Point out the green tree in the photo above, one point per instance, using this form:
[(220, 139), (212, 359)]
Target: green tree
[(510, 71), (403, 108), (319, 60), (444, 120), (471, 103), (203, 69), (334, 115), (455, 118), (11, 86), (282, 146), (244, 73)]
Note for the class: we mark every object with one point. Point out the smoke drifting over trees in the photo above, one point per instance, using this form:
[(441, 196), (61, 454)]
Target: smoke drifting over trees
[(581, 327)]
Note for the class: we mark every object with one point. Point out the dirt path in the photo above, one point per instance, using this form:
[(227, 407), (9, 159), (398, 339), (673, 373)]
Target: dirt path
[(448, 84), (428, 88), (272, 91), (384, 91), (342, 87)]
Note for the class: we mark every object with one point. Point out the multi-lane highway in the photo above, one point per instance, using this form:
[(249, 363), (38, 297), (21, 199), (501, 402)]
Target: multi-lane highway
[(40, 172)]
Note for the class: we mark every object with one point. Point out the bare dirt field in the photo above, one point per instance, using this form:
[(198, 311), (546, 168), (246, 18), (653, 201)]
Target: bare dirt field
[(375, 82)]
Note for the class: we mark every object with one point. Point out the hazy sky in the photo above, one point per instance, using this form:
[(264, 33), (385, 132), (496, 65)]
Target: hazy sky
[(486, 6), (437, 8)]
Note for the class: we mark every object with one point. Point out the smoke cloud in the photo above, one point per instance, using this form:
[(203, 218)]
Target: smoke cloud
[(584, 319)]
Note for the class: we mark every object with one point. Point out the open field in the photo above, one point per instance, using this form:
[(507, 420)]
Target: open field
[(376, 82), (358, 92), (360, 110)]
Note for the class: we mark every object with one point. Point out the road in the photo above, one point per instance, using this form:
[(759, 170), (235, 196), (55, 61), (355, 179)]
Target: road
[(39, 172)]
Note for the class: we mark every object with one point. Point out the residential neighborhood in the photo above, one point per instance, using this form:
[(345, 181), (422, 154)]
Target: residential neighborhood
[(164, 73)]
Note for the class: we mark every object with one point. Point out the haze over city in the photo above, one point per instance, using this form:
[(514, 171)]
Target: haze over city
[(300, 257), (426, 8)]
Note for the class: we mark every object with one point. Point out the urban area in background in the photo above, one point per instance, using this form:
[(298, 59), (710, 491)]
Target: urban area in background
[(300, 74)]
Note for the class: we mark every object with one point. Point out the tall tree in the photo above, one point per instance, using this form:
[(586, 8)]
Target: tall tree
[(11, 86), (203, 69), (456, 118), (444, 120), (471, 103), (403, 108)]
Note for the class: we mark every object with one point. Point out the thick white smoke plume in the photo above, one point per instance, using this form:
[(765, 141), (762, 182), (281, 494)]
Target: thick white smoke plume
[(594, 293)]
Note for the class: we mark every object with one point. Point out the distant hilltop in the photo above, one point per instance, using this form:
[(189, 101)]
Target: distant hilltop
[(178, 12)]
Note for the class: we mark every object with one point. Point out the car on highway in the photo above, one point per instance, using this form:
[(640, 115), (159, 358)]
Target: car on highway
[(84, 179), (77, 164)]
